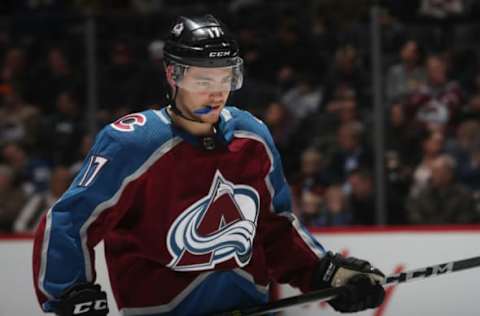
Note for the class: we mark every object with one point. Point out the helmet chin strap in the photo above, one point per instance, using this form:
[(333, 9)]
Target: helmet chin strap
[(176, 110), (208, 142)]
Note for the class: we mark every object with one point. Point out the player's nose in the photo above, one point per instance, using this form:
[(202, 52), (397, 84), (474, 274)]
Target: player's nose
[(217, 96)]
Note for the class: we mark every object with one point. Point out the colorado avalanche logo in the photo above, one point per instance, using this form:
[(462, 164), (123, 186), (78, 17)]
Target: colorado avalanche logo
[(217, 228), (177, 29), (127, 123)]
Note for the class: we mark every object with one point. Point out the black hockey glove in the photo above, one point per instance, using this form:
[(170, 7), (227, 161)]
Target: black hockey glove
[(83, 299), (358, 277)]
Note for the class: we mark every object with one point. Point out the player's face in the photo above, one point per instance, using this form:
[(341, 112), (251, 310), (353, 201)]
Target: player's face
[(205, 87)]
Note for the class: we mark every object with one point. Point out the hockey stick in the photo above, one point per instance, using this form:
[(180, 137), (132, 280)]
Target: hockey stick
[(328, 294)]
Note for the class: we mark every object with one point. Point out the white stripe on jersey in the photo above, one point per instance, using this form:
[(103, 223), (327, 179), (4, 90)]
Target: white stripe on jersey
[(43, 262), (164, 118), (166, 147)]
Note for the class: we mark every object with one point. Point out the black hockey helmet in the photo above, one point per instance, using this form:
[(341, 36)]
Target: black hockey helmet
[(201, 41)]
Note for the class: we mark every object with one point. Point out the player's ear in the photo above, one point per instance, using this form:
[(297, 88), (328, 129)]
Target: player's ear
[(169, 74)]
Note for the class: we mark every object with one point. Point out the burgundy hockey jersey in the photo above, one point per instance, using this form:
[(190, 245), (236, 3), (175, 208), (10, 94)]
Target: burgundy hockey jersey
[(187, 231)]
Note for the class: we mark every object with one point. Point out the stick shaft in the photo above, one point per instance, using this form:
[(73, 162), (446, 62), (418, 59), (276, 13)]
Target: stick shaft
[(433, 270), (331, 293)]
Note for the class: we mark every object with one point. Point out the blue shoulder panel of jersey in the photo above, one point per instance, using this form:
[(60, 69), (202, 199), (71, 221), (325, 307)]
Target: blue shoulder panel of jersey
[(122, 152)]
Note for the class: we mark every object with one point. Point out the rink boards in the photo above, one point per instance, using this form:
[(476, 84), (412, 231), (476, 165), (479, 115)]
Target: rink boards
[(399, 249), (391, 249)]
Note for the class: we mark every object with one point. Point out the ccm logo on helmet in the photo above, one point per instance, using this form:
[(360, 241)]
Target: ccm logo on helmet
[(219, 54)]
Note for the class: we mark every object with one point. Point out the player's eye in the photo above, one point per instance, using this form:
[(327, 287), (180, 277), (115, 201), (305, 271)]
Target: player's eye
[(203, 83), (227, 80)]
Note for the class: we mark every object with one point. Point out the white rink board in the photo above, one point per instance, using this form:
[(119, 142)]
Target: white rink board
[(454, 294), (17, 296), (448, 295)]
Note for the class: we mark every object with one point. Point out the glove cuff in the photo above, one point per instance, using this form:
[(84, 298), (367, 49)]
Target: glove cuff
[(84, 299), (324, 272), (78, 287)]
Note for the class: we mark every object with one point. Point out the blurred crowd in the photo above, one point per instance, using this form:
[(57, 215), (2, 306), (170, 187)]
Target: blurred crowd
[(308, 77)]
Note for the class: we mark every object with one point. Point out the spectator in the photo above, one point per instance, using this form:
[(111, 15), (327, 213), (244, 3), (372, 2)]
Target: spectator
[(443, 200), (441, 8), (255, 94), (469, 174), (405, 77), (152, 93), (279, 121), (310, 208), (402, 134), (119, 82), (335, 210), (62, 130), (146, 6), (30, 173), (322, 36), (52, 79), (29, 216), (12, 199), (361, 198), (19, 121), (347, 74), (466, 140), (303, 98), (437, 102), (351, 153), (465, 148), (432, 147), (321, 128), (5, 36), (344, 109), (472, 109), (312, 173), (250, 41), (325, 209), (287, 56), (14, 69)]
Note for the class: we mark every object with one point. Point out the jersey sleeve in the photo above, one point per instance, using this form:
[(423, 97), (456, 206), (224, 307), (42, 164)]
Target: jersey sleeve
[(99, 195), (291, 251)]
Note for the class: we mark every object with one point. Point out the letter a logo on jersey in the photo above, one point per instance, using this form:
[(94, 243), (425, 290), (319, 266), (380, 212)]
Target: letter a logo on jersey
[(219, 227)]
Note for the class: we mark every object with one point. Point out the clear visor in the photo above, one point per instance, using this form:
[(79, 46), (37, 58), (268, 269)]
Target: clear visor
[(206, 80)]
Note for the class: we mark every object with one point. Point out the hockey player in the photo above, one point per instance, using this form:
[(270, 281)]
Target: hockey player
[(192, 205)]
